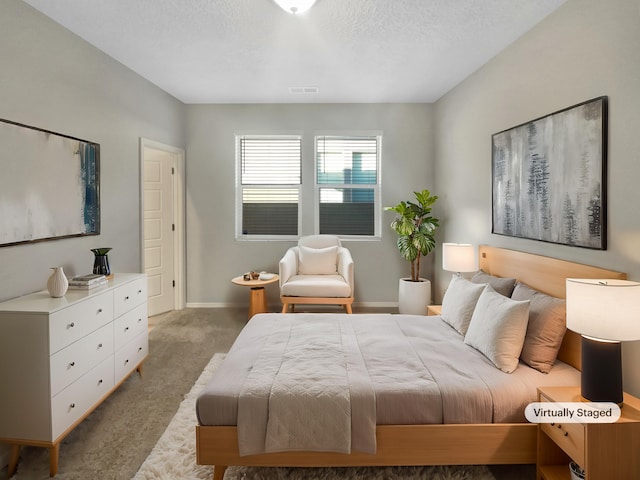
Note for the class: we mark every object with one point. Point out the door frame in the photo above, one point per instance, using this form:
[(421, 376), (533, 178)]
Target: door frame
[(179, 205)]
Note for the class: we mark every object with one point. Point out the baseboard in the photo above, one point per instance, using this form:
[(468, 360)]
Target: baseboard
[(245, 305)]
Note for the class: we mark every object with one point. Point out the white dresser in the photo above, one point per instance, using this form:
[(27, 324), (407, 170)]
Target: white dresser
[(61, 357)]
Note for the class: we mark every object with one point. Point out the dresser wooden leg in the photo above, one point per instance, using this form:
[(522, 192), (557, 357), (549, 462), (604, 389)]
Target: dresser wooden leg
[(14, 456), (54, 453), (139, 370)]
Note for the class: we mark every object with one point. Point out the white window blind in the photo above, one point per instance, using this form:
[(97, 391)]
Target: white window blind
[(269, 185), (347, 183)]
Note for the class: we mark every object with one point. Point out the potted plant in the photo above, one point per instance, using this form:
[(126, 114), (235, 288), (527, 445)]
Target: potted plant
[(416, 229)]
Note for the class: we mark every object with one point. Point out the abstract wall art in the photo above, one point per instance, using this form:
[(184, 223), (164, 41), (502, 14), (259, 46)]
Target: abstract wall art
[(549, 177), (49, 186)]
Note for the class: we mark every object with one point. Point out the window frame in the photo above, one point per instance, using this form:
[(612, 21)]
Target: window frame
[(377, 187), (239, 187)]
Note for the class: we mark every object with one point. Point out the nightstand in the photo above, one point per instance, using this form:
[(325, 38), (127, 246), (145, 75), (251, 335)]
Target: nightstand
[(434, 309), (605, 450)]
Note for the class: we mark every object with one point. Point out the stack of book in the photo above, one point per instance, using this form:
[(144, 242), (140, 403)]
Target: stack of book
[(87, 282)]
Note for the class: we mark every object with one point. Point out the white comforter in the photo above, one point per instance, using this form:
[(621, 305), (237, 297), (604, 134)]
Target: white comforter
[(323, 381)]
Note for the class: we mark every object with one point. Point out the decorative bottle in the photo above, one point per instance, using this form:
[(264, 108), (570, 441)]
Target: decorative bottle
[(57, 284)]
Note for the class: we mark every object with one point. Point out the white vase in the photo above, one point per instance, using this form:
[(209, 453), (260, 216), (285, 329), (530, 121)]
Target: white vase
[(414, 297), (57, 284)]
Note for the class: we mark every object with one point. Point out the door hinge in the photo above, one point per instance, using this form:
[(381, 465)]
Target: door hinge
[(173, 227), (173, 171), (173, 283)]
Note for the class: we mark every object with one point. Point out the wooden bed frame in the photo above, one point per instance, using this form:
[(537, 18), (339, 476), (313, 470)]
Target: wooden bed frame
[(453, 444)]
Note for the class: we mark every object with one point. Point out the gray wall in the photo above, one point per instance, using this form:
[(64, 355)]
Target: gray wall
[(585, 49), (213, 254), (52, 79)]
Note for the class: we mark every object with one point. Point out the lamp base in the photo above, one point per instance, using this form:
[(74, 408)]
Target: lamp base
[(601, 377)]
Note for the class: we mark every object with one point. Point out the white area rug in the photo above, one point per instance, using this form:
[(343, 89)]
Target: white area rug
[(174, 456)]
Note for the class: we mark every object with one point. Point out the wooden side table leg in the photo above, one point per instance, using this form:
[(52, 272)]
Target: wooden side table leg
[(14, 456), (258, 301), (54, 453)]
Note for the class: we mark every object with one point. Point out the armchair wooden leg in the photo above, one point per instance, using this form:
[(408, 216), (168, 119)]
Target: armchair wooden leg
[(347, 307), (14, 456)]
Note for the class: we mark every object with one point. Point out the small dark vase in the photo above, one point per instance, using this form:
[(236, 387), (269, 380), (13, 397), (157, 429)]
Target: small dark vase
[(101, 261)]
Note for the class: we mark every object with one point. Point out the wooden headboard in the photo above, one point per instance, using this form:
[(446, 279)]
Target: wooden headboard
[(547, 275)]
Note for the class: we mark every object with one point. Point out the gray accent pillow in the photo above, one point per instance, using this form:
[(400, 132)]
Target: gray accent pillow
[(459, 301), (546, 328), (497, 328), (501, 285)]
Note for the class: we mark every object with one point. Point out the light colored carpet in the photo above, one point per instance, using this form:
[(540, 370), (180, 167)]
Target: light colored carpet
[(173, 457)]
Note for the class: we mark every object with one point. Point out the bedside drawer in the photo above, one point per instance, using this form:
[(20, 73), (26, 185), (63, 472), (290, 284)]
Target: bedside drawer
[(129, 296), (72, 323), (78, 358), (129, 356), (74, 401), (129, 325), (569, 437)]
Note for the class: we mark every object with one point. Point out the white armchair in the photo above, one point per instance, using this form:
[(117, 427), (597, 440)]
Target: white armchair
[(319, 270)]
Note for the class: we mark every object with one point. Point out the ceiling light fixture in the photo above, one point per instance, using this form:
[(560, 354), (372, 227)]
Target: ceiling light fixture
[(295, 6)]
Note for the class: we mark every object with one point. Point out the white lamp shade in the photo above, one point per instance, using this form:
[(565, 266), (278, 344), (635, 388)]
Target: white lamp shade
[(459, 257), (295, 6), (604, 309)]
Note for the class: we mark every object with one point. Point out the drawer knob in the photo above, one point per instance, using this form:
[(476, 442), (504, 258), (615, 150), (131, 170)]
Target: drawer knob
[(126, 298), (72, 324), (99, 310), (139, 349), (126, 361), (139, 320), (73, 405), (72, 364), (139, 291), (99, 345), (566, 434), (126, 329), (100, 382)]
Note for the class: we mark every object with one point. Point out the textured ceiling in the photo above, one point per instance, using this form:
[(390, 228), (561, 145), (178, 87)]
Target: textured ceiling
[(251, 51)]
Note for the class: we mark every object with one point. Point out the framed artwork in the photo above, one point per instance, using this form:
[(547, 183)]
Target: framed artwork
[(549, 177), (49, 187)]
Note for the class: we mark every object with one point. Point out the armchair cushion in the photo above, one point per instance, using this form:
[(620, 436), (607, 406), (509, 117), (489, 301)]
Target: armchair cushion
[(323, 286), (318, 261)]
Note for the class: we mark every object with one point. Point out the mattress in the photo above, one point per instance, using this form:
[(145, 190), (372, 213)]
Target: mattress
[(418, 369)]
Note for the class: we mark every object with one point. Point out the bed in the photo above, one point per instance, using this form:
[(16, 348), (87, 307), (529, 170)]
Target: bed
[(510, 441)]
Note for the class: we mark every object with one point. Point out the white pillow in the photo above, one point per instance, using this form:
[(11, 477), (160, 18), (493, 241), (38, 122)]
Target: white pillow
[(498, 327), (459, 302), (318, 261)]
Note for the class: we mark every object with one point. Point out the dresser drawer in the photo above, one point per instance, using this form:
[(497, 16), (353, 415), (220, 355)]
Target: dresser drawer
[(78, 358), (78, 320), (569, 437), (129, 325), (74, 401), (130, 295), (129, 356)]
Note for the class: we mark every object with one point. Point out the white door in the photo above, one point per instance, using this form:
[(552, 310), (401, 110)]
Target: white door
[(159, 228)]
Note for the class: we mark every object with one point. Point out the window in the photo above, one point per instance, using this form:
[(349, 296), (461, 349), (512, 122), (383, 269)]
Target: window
[(348, 185), (269, 177)]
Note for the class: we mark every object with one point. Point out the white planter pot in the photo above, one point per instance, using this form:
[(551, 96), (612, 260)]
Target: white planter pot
[(414, 297)]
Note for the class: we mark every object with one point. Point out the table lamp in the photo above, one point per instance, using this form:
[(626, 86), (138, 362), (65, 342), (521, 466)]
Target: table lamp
[(605, 313), (459, 257)]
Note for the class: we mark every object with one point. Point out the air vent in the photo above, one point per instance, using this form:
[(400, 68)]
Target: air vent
[(303, 90)]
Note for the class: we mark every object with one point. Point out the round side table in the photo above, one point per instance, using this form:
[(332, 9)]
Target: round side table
[(257, 299)]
